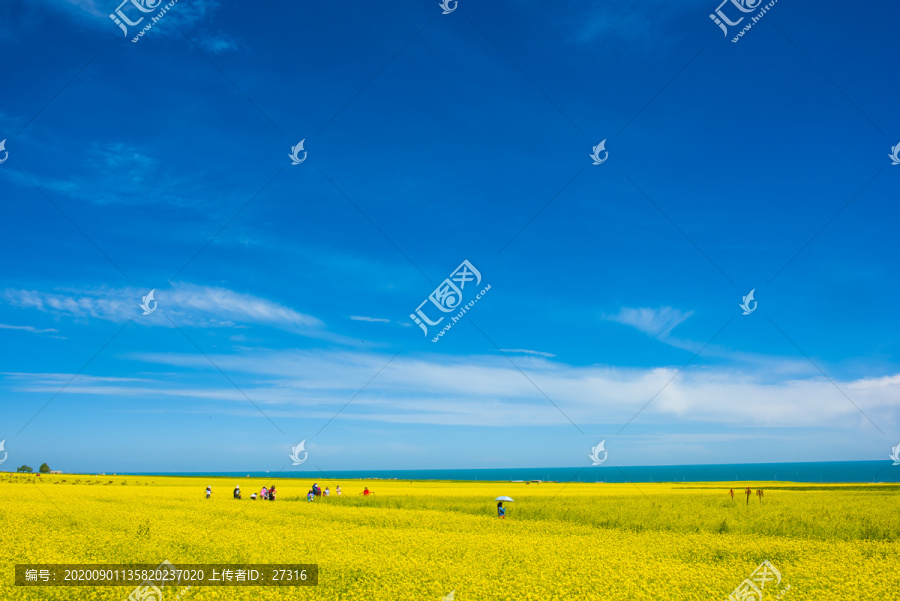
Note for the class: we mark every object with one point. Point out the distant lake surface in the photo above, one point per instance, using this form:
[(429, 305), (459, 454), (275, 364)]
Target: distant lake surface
[(825, 471)]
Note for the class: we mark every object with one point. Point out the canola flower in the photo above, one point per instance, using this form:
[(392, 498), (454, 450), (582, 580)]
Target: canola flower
[(420, 540)]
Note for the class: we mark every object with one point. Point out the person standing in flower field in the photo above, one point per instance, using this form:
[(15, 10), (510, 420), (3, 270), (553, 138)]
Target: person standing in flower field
[(501, 510), (731, 492), (208, 491), (338, 491), (748, 495)]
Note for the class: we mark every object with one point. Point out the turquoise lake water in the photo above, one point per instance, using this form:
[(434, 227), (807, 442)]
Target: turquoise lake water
[(826, 471)]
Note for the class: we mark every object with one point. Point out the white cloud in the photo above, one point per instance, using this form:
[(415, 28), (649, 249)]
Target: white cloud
[(372, 319), (120, 173), (56, 378), (102, 304), (655, 322), (217, 43), (187, 304), (95, 12), (221, 303), (488, 391), (88, 6), (527, 352), (31, 329)]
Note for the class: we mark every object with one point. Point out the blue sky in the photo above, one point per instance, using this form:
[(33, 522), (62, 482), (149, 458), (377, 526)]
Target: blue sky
[(285, 291)]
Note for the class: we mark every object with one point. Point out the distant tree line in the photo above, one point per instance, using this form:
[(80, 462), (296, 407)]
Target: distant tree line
[(27, 469)]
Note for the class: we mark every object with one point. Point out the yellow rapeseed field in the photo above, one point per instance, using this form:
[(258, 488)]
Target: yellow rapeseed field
[(422, 540)]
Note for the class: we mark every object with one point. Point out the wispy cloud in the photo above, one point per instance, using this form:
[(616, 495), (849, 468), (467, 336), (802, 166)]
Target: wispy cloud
[(118, 173), (487, 391), (655, 322), (627, 22), (217, 43), (526, 352), (224, 304), (55, 379), (187, 304), (91, 7), (404, 324), (31, 329)]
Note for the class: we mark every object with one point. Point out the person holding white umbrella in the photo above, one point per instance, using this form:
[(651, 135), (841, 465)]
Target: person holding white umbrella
[(501, 510)]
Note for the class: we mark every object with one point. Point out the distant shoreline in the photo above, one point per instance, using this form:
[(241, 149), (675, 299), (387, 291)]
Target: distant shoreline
[(803, 472)]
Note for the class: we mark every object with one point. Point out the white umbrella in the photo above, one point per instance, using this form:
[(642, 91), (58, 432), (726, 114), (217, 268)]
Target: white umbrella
[(504, 499)]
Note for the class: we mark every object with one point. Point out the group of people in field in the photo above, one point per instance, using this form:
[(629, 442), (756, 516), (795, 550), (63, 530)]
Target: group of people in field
[(316, 491), (759, 494), (269, 493)]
